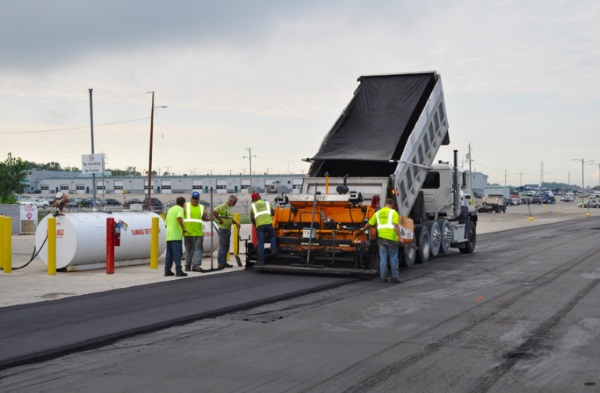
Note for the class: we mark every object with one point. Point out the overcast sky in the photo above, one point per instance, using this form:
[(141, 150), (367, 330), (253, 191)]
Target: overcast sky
[(521, 80)]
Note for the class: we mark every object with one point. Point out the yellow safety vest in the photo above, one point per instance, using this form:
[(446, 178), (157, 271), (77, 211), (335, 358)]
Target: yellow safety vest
[(262, 213), (385, 223), (192, 219)]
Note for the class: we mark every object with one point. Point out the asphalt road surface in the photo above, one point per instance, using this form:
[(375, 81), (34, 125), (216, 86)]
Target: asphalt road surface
[(519, 315)]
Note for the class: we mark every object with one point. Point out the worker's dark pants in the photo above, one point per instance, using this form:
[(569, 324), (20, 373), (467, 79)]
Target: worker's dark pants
[(174, 252), (224, 243), (194, 248), (388, 249), (261, 231)]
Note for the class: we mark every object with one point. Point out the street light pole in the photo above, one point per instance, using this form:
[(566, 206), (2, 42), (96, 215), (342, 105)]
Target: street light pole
[(150, 155)]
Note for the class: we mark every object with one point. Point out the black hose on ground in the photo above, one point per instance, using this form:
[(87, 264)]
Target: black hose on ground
[(33, 256)]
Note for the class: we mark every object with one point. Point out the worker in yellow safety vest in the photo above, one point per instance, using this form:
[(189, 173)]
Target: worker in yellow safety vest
[(388, 237), (261, 216), (193, 215)]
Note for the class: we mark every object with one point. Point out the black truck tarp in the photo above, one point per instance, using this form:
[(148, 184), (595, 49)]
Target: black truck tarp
[(375, 126)]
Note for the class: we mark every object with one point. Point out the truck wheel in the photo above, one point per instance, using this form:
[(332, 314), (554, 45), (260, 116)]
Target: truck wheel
[(423, 243), (407, 256), (435, 235), (469, 246), (447, 237)]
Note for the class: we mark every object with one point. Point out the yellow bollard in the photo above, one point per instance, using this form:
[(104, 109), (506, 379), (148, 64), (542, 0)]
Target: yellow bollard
[(236, 235), (2, 242), (154, 244), (52, 246), (6, 241)]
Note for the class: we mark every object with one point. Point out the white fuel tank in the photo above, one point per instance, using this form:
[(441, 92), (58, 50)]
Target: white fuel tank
[(81, 239)]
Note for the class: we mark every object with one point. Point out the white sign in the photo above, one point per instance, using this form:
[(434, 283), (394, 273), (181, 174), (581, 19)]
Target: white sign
[(92, 163), (29, 212)]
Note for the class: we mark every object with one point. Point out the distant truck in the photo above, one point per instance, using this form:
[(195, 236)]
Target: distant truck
[(494, 199)]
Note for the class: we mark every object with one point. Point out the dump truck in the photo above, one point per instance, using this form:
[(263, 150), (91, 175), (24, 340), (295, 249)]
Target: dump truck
[(383, 145)]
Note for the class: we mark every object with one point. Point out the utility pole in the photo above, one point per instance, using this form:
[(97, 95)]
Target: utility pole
[(150, 156), (520, 178), (250, 162), (92, 131)]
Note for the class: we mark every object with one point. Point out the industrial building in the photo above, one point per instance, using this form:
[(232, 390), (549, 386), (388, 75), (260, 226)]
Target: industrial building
[(51, 182)]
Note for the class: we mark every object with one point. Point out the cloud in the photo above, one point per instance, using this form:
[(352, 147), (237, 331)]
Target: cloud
[(275, 75)]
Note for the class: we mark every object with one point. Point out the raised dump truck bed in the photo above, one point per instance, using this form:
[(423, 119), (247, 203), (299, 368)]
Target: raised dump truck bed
[(383, 145)]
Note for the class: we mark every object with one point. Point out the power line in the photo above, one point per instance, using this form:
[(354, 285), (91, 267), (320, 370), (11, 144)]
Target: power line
[(72, 128), (68, 102)]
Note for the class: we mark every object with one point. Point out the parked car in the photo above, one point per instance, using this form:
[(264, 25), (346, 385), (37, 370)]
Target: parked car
[(536, 200), (73, 202), (112, 202), (567, 198), (39, 202), (525, 200), (591, 203), (85, 202), (130, 202), (515, 200), (157, 205)]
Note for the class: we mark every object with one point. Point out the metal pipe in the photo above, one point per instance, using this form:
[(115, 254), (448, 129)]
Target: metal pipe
[(455, 185), (312, 224)]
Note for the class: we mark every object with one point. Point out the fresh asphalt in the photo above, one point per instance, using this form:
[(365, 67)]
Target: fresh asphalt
[(43, 330)]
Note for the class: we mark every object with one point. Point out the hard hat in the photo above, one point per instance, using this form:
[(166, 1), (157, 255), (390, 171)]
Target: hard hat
[(255, 195), (59, 194), (195, 195)]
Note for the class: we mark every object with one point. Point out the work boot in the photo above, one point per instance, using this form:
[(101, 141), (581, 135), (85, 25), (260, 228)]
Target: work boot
[(228, 265), (188, 268), (180, 274), (169, 273), (198, 269), (395, 280)]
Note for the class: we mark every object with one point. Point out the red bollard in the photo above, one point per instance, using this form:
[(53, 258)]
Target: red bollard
[(110, 245), (254, 237)]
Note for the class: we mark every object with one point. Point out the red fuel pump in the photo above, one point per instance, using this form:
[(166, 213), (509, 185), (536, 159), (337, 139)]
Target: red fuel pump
[(113, 239)]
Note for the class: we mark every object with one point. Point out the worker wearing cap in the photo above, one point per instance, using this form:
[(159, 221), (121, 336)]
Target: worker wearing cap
[(388, 236), (193, 215), (224, 215), (261, 216)]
